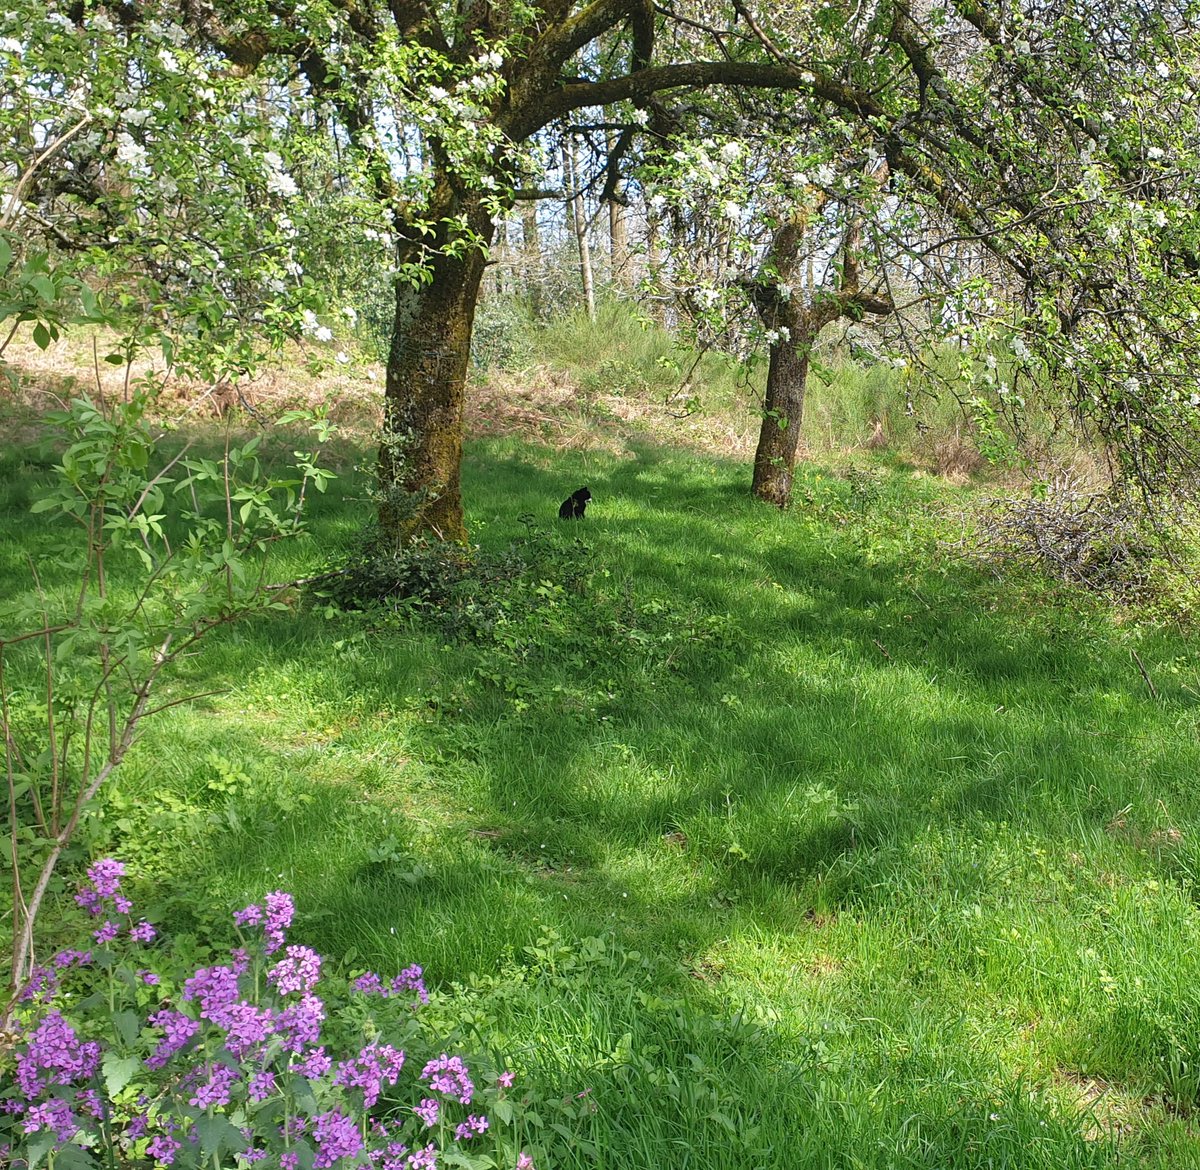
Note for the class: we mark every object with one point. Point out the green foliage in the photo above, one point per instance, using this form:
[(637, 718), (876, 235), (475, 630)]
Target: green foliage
[(162, 551)]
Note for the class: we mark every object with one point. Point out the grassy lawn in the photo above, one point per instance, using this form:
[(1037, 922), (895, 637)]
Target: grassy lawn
[(753, 839)]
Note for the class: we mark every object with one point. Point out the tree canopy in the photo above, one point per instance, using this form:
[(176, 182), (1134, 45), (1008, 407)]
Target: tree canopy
[(169, 142)]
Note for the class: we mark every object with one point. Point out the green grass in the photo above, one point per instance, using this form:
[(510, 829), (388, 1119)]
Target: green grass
[(895, 863)]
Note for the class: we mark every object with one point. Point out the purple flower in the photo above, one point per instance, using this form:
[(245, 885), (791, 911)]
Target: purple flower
[(54, 1114), (300, 971), (300, 1023), (336, 1136), (369, 984), (505, 1079), (179, 1030), (411, 979), (252, 915), (217, 990), (245, 1027), (315, 1064), (217, 1088), (375, 1065), (241, 960), (448, 1074), (123, 904), (105, 876), (279, 911), (524, 1162), (137, 1127), (425, 1159), (392, 1156), (143, 932), (148, 978), (262, 1085), (252, 1155), (89, 1099), (65, 959), (428, 1111), (55, 1050), (470, 1128), (43, 983), (288, 1160), (163, 1149), (106, 933)]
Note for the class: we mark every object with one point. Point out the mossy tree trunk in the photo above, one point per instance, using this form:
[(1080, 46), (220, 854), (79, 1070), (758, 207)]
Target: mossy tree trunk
[(420, 455), (794, 313)]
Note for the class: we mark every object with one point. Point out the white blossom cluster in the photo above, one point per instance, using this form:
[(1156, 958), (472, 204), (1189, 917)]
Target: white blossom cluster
[(279, 182)]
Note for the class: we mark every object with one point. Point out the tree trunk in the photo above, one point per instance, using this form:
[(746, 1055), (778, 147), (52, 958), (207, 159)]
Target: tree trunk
[(783, 412), (532, 256), (578, 219), (420, 455)]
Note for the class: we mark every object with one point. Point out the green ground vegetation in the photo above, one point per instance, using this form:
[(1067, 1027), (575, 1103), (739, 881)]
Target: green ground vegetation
[(752, 839)]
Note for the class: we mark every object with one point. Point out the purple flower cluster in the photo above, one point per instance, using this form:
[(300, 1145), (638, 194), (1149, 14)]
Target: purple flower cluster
[(375, 1066), (224, 1049), (274, 916), (54, 1055), (102, 895), (470, 1128), (300, 971), (410, 979), (448, 1075), (337, 1137)]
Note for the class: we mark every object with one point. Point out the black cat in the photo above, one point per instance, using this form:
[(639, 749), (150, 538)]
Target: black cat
[(573, 506)]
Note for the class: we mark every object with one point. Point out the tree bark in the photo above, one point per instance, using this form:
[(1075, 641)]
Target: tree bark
[(577, 217), (420, 456), (783, 412), (532, 256)]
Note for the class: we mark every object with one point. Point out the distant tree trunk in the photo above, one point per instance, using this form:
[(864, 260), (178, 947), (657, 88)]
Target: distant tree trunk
[(783, 412), (794, 316), (421, 453), (577, 216), (618, 235), (531, 247)]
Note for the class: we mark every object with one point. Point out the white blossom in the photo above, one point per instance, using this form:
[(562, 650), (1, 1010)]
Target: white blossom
[(281, 183), (641, 117), (11, 45), (342, 359), (437, 94), (59, 19), (731, 210), (350, 314), (731, 152), (293, 268), (100, 22), (168, 60), (1154, 152), (131, 153), (1162, 69), (825, 175), (323, 333), (135, 117)]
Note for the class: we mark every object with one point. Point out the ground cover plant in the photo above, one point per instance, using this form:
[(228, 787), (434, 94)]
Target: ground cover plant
[(748, 838)]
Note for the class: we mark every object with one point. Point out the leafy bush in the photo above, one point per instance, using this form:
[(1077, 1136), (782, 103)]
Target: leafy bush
[(546, 620), (123, 1052)]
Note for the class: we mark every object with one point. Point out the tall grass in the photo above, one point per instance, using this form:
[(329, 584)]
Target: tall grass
[(759, 839)]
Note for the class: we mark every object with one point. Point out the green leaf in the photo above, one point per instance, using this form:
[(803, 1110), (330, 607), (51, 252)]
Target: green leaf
[(115, 359), (127, 1025), (218, 1135), (44, 287), (41, 336), (118, 1071), (5, 255)]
